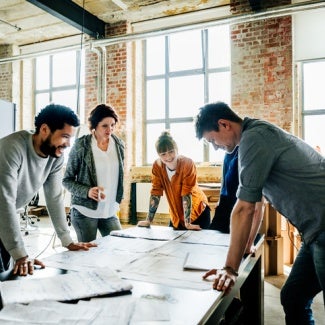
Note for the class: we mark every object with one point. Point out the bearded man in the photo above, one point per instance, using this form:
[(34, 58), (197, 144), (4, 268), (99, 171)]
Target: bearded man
[(28, 161)]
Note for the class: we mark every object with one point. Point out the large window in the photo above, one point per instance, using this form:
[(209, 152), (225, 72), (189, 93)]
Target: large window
[(59, 79), (313, 107), (183, 72)]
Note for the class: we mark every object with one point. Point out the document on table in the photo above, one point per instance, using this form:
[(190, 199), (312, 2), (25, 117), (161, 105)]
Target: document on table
[(63, 287), (206, 237), (204, 262), (154, 233), (119, 310), (48, 312), (165, 266), (113, 252)]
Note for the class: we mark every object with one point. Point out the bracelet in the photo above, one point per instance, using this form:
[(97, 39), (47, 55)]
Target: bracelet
[(230, 270)]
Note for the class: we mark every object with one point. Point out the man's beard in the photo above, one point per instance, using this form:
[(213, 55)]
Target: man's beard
[(48, 149)]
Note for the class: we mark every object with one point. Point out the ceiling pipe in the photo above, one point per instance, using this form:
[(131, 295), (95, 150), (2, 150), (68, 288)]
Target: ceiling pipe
[(104, 73), (99, 73), (236, 19)]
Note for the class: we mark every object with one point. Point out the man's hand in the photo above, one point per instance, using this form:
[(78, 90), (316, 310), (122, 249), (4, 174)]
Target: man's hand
[(224, 280), (144, 223), (80, 246), (25, 266), (252, 250)]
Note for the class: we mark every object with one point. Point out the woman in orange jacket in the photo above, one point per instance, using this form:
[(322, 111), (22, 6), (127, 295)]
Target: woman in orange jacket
[(176, 176)]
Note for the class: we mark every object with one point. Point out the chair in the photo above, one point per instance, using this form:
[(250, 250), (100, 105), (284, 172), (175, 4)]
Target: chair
[(27, 220)]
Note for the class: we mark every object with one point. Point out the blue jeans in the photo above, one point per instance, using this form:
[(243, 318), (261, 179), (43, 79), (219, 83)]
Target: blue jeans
[(4, 258), (306, 280), (86, 228)]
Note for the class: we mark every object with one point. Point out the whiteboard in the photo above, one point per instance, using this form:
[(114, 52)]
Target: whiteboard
[(8, 118)]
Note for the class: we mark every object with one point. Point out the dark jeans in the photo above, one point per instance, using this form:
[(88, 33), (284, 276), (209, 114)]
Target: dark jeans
[(203, 220), (4, 258), (86, 228), (306, 280), (221, 219)]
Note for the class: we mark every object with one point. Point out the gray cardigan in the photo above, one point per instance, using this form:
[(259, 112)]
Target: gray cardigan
[(80, 174)]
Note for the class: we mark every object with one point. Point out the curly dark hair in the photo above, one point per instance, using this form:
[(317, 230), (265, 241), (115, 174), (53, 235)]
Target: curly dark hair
[(99, 113), (55, 117)]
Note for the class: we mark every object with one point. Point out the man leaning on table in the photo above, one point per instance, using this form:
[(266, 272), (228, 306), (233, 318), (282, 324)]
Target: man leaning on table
[(28, 161), (290, 174)]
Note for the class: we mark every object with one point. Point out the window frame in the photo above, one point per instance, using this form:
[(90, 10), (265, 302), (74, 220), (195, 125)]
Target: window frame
[(205, 71)]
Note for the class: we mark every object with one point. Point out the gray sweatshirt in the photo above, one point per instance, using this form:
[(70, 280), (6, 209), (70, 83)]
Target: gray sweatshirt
[(22, 174)]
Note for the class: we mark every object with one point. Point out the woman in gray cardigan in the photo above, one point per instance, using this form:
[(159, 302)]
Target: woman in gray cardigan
[(94, 176)]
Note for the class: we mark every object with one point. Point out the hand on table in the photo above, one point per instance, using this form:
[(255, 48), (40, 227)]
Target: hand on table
[(80, 246), (25, 266), (144, 223), (224, 280), (252, 250), (189, 226)]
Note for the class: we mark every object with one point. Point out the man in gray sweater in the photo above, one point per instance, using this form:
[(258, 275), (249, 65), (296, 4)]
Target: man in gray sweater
[(28, 161)]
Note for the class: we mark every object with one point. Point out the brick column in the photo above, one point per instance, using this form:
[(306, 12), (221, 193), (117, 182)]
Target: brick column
[(262, 66)]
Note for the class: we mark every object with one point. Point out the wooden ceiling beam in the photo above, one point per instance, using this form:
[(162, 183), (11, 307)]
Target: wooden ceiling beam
[(71, 13)]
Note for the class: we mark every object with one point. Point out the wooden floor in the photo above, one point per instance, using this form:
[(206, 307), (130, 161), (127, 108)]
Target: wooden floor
[(42, 242)]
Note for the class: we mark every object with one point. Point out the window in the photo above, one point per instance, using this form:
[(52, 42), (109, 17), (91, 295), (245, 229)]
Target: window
[(313, 103), (183, 72), (59, 79)]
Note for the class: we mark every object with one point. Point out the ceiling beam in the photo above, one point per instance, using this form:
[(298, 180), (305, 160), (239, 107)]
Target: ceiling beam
[(71, 13)]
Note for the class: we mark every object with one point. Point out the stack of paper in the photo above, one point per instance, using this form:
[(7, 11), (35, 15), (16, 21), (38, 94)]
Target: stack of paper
[(63, 287)]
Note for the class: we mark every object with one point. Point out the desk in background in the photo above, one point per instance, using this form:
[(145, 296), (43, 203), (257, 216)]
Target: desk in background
[(140, 194), (190, 300)]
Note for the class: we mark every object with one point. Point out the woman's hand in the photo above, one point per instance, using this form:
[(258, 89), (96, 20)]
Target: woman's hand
[(189, 226), (144, 223), (96, 193), (80, 246)]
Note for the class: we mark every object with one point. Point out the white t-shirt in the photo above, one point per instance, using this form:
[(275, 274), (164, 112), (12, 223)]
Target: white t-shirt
[(107, 170)]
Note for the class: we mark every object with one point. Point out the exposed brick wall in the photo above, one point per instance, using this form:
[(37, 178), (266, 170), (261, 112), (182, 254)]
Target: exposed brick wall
[(262, 69), (91, 78), (6, 74), (118, 95)]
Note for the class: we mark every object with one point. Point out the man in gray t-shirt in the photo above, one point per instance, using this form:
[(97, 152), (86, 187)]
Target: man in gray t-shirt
[(291, 176)]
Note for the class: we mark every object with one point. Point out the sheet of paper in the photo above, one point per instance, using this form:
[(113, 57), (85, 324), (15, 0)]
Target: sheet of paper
[(112, 252), (97, 311), (48, 312), (149, 310), (154, 233), (206, 237), (63, 287), (165, 266), (205, 262)]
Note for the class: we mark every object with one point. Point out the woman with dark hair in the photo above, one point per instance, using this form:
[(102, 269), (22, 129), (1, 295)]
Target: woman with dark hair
[(176, 176), (94, 176)]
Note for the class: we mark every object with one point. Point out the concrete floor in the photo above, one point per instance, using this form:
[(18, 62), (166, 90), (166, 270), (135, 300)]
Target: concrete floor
[(273, 312), (43, 242)]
